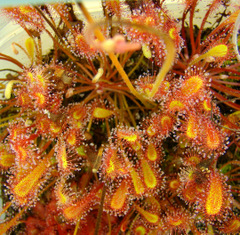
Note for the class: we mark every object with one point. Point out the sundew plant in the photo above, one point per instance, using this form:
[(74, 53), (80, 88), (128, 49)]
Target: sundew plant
[(129, 125)]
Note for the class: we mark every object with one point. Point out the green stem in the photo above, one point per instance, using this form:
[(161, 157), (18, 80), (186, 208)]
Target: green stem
[(234, 162), (136, 66), (76, 227), (100, 210), (129, 112)]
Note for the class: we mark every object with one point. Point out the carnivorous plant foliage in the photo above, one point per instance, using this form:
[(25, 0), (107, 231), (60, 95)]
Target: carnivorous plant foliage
[(129, 125)]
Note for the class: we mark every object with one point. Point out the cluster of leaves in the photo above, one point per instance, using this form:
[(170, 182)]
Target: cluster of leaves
[(129, 125)]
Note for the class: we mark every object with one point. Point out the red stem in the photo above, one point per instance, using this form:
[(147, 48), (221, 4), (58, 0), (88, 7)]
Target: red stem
[(202, 25), (184, 32), (222, 98), (225, 89), (218, 70), (10, 59), (191, 26)]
